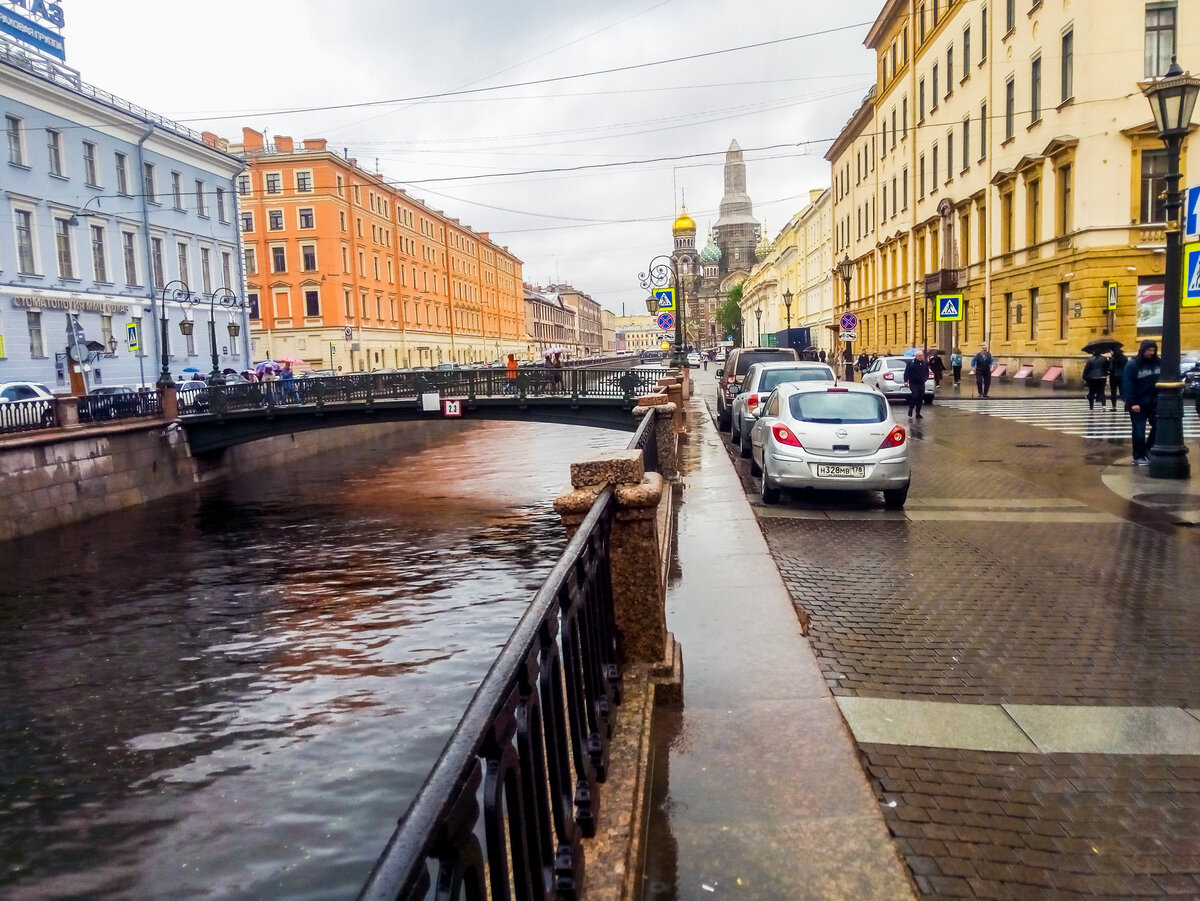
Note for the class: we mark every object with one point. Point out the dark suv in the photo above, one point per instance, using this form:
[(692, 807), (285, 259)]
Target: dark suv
[(737, 364)]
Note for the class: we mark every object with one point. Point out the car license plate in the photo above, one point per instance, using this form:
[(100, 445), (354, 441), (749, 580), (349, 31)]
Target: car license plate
[(840, 471)]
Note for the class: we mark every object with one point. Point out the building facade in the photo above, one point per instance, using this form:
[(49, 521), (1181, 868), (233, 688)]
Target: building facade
[(109, 207), (551, 324), (588, 320), (346, 271), (640, 333), (1006, 164)]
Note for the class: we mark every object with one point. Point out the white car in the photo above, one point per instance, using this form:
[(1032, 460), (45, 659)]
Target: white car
[(886, 375), (693, 359), (760, 380), (25, 405), (830, 437)]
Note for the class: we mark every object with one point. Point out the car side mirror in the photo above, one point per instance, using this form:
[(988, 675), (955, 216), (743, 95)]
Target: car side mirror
[(720, 372)]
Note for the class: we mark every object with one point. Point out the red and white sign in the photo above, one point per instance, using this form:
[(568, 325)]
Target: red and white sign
[(452, 408)]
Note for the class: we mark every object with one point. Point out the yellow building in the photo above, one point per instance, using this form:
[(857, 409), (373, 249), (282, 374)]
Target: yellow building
[(1006, 153)]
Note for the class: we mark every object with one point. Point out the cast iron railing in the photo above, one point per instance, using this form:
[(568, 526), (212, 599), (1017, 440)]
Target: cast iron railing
[(107, 407), (505, 808), (26, 416), (467, 384)]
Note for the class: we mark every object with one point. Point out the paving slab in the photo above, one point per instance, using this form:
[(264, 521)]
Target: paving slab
[(1108, 730), (934, 724)]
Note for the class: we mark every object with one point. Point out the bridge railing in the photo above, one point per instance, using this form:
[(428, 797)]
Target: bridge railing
[(467, 384), (107, 407), (26, 416), (504, 810)]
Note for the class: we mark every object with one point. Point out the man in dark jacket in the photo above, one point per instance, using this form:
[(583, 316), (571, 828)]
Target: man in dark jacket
[(916, 373), (1140, 387), (1095, 375)]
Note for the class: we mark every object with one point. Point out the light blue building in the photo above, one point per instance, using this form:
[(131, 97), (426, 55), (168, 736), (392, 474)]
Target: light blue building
[(105, 208)]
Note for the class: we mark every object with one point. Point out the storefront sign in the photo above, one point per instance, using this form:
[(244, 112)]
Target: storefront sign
[(1150, 304), (71, 305), (38, 24)]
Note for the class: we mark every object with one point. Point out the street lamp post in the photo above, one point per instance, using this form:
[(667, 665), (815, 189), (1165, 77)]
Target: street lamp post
[(177, 290), (225, 298), (758, 334), (660, 274), (846, 269), (1172, 100), (787, 306)]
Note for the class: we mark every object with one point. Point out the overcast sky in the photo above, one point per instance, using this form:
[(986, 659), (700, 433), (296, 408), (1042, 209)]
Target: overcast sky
[(483, 156)]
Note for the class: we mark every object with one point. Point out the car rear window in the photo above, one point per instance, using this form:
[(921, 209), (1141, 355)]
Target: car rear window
[(897, 364), (838, 407), (750, 357), (773, 378)]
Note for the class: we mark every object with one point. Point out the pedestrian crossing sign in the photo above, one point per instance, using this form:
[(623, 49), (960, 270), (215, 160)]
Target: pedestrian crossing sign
[(666, 299), (1191, 276), (949, 308)]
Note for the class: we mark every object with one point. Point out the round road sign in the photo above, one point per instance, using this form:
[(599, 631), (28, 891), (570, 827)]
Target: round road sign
[(849, 322), (666, 320)]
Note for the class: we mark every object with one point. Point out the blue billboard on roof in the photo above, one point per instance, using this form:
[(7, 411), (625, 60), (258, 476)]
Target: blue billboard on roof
[(37, 24)]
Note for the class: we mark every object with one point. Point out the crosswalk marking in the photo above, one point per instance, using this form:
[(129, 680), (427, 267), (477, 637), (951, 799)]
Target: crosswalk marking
[(1068, 415)]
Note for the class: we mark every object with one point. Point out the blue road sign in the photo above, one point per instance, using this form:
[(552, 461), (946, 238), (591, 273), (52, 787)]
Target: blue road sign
[(666, 320), (1191, 212), (1191, 276), (665, 298), (849, 322), (131, 337), (949, 308)]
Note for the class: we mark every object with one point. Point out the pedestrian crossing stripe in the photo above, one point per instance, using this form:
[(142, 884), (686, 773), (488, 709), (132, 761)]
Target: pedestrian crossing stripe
[(949, 307), (1065, 415)]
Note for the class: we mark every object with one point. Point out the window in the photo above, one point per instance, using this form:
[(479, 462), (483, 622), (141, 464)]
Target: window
[(190, 342), (250, 261), (279, 259), (275, 220), (1160, 38), (983, 28), (341, 187), (308, 256), (983, 127), (181, 256), (274, 182), (1154, 186), (949, 70), (306, 217), (206, 270), (16, 146), (921, 23), (148, 182), (1006, 221), (1067, 75), (243, 185), (54, 151), (25, 256), (1033, 313), (966, 53), (156, 262), (933, 168), (921, 176), (1035, 89), (62, 244), (1010, 109), (966, 143), (221, 205), (949, 156), (252, 302), (99, 263), (177, 190), (1008, 317), (312, 303), (122, 162), (247, 222), (933, 100), (304, 182), (904, 116), (91, 173), (1063, 214), (33, 321), (893, 128), (904, 189), (1064, 310), (921, 100), (201, 203), (1010, 16), (129, 256), (1033, 211)]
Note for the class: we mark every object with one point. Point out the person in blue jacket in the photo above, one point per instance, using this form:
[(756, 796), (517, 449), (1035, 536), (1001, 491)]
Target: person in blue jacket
[(1139, 384)]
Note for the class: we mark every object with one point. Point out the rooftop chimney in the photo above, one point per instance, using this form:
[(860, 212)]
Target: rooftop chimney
[(315, 144), (284, 144), (252, 140)]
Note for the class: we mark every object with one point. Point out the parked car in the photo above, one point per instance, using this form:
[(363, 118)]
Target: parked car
[(830, 437), (193, 396), (761, 379), (25, 410), (886, 375), (1189, 368), (693, 359), (739, 361)]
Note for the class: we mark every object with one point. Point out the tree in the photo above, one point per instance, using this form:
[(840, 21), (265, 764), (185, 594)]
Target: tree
[(729, 315)]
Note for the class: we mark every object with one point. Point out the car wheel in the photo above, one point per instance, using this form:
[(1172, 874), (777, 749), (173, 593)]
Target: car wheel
[(735, 433), (744, 444), (755, 469), (894, 498), (767, 491), (722, 420), (929, 399)]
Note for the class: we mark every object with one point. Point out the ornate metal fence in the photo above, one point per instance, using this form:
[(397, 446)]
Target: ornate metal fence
[(26, 416), (107, 407), (506, 806)]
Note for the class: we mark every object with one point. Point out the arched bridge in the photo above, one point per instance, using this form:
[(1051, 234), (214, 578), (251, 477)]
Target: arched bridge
[(217, 417)]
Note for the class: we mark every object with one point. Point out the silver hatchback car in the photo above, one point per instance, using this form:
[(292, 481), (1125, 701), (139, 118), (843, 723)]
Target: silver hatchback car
[(760, 380), (832, 437), (886, 375)]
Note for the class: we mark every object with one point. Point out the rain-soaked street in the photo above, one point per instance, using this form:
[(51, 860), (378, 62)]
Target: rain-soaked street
[(235, 695)]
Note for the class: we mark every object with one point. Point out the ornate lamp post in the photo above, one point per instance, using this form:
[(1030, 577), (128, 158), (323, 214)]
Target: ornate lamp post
[(661, 274), (758, 317), (227, 299), (846, 269), (177, 290), (787, 306), (1172, 100)]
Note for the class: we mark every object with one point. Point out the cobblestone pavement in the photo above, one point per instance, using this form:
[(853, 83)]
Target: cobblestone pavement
[(1032, 584)]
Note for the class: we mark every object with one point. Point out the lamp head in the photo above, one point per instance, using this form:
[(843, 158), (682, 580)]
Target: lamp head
[(1172, 101), (787, 299), (846, 268)]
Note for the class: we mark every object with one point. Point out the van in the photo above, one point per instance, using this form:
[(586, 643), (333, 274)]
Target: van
[(737, 364)]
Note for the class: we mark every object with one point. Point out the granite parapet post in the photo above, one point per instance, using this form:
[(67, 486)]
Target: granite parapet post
[(168, 399), (665, 437), (66, 411)]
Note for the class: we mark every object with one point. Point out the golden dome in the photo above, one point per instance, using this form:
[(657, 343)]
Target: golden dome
[(684, 223)]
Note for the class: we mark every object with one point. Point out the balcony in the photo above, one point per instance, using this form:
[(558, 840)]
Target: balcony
[(945, 281)]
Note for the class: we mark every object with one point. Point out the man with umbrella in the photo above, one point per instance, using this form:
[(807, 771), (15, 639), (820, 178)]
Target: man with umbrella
[(1095, 375)]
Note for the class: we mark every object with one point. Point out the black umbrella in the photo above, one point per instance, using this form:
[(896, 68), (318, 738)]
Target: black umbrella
[(1102, 346)]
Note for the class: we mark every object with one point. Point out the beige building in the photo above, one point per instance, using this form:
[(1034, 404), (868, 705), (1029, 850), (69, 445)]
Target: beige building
[(638, 333), (608, 327), (589, 326), (1006, 153), (549, 323)]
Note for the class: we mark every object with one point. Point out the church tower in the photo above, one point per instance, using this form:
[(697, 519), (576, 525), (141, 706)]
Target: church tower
[(736, 232)]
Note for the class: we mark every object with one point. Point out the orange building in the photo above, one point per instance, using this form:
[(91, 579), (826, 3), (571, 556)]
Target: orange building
[(346, 270)]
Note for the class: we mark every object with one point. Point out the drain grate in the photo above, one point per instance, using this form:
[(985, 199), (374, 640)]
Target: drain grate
[(1031, 445)]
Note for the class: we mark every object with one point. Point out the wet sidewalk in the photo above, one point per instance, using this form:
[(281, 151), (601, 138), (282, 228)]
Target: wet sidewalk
[(758, 790)]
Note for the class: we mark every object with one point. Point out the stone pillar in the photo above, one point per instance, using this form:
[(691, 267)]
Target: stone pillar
[(168, 400), (66, 411), (639, 597), (665, 438)]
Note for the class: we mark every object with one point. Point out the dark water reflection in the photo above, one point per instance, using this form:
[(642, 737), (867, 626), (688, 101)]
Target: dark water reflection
[(235, 695)]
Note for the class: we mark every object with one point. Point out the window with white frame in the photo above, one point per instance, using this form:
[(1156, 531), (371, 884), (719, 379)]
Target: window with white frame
[(156, 262), (247, 221), (274, 182), (91, 172), (252, 304), (99, 257), (177, 190), (250, 261), (226, 268), (1160, 37), (122, 166), (278, 258), (304, 181), (307, 219), (312, 303), (182, 258), (1035, 89), (308, 257), (206, 270), (148, 183), (201, 201), (1067, 66), (16, 140), (243, 185), (129, 256), (33, 322), (26, 257), (221, 211), (62, 246), (54, 151), (275, 220)]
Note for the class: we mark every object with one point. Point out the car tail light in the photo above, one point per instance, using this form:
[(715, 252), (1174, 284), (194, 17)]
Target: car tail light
[(889, 377), (837, 390), (895, 438), (752, 400), (784, 435)]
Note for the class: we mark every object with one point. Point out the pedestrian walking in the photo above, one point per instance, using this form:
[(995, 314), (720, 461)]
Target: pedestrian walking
[(916, 373), (1139, 384), (510, 375), (937, 367), (863, 363), (1095, 376), (1116, 373), (981, 365), (956, 365), (288, 382)]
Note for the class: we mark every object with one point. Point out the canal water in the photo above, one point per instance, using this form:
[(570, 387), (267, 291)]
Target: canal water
[(235, 695)]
